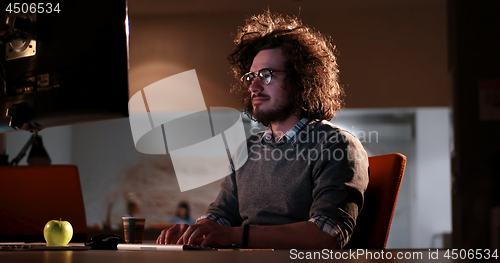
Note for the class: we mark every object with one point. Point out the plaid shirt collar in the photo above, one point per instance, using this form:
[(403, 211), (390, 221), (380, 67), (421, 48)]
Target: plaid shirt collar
[(289, 136)]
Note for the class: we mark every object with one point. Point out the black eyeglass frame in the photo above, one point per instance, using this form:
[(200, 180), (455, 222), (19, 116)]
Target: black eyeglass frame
[(260, 75)]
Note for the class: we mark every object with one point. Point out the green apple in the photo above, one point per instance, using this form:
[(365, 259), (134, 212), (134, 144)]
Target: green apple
[(58, 232)]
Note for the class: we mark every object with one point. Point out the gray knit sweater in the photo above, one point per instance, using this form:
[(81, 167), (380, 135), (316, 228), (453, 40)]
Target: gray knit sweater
[(324, 172)]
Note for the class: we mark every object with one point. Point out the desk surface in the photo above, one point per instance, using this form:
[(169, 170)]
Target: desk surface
[(198, 256)]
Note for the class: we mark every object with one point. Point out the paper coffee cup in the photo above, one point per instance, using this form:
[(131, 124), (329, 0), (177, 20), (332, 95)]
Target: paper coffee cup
[(133, 228)]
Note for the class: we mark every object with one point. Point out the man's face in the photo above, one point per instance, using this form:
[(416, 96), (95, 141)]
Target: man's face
[(270, 102)]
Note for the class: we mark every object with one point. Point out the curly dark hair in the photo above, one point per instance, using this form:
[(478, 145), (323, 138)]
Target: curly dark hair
[(312, 69)]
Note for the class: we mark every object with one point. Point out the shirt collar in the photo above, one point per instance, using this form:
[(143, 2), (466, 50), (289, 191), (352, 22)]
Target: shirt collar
[(289, 136)]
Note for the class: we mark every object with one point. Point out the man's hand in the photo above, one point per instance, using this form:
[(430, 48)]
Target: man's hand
[(303, 235), (210, 234), (171, 235), (205, 233)]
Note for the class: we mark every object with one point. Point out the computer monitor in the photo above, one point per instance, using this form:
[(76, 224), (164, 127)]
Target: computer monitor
[(62, 65)]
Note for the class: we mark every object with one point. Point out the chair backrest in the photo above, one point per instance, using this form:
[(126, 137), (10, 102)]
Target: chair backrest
[(30, 196), (374, 221)]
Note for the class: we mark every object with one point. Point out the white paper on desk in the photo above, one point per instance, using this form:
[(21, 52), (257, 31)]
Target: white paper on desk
[(149, 247)]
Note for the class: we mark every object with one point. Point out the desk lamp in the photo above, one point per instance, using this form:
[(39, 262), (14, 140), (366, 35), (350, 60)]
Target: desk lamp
[(37, 156)]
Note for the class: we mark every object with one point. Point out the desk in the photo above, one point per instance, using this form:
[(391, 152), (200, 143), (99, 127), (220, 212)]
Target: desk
[(111, 256)]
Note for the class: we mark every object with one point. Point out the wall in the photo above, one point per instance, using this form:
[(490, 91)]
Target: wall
[(431, 200), (391, 53), (111, 168)]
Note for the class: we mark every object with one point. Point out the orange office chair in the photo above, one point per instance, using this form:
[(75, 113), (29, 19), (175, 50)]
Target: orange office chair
[(30, 196), (374, 221)]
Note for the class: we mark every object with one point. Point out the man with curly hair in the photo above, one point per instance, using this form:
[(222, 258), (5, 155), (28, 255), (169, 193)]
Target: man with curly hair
[(303, 183)]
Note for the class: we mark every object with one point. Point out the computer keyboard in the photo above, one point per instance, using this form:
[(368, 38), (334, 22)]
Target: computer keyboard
[(19, 247), (163, 247), (25, 247), (196, 247)]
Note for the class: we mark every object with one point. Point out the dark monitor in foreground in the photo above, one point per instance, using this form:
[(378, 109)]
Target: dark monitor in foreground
[(62, 64)]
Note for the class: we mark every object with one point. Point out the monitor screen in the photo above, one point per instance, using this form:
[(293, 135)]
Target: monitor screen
[(62, 63)]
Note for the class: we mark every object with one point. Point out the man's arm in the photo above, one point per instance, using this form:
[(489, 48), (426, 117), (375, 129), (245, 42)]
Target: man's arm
[(301, 235)]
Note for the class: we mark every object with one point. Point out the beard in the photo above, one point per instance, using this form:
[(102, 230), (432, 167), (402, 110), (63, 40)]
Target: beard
[(280, 112)]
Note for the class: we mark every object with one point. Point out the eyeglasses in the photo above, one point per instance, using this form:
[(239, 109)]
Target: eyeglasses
[(264, 75)]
